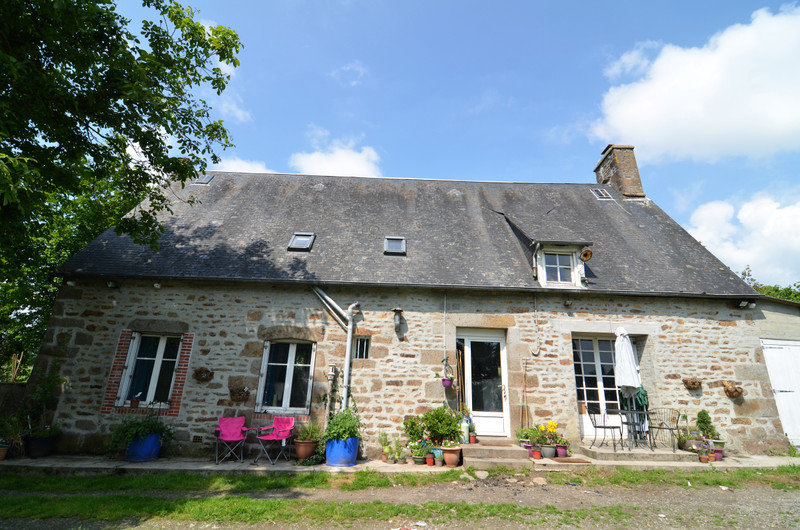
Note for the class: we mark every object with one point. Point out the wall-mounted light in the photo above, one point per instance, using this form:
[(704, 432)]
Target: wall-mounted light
[(111, 284), (567, 301), (743, 304), (331, 372), (398, 319), (751, 305), (71, 283), (747, 304), (157, 285)]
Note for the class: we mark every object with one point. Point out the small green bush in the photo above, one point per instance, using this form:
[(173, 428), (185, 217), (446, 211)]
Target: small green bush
[(441, 424), (705, 426), (133, 427), (414, 428), (343, 425)]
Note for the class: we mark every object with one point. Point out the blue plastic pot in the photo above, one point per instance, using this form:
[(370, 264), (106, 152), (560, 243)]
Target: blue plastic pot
[(144, 449), (341, 453)]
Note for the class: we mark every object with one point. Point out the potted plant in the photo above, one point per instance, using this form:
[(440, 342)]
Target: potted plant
[(447, 374), (141, 437), (418, 450), (42, 432), (341, 438), (548, 438), (472, 436), (562, 446), (307, 439), (452, 452), (11, 436), (386, 448), (442, 423), (398, 451)]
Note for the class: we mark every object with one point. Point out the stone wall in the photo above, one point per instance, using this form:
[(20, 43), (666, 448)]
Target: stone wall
[(229, 322)]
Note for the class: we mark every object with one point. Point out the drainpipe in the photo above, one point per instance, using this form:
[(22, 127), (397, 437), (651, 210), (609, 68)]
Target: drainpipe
[(345, 320), (348, 353)]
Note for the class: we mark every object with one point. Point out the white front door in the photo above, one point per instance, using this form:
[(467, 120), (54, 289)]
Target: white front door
[(783, 367), (486, 377)]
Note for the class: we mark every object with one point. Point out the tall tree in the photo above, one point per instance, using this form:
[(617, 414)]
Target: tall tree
[(95, 117)]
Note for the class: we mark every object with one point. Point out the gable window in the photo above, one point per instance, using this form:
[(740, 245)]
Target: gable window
[(362, 348), (150, 368), (286, 377), (558, 267), (394, 245), (302, 241)]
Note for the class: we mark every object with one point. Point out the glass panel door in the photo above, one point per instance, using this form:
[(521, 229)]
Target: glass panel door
[(486, 376)]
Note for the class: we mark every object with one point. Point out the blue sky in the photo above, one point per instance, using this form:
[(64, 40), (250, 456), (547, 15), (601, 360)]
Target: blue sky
[(708, 92)]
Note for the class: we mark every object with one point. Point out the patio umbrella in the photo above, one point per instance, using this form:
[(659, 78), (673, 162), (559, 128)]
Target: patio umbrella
[(626, 369)]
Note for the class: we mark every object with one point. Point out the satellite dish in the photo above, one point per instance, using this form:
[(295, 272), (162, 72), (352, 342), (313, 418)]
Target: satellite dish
[(586, 255)]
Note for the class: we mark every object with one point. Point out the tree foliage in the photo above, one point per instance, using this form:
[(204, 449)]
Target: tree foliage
[(776, 291), (95, 117)]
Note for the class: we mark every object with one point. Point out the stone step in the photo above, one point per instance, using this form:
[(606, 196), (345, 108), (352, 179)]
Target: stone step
[(481, 450), (637, 454), (488, 463)]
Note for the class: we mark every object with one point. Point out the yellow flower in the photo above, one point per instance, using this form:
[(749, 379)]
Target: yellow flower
[(541, 428), (552, 426)]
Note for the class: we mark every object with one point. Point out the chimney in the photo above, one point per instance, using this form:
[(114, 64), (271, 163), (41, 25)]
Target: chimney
[(618, 168)]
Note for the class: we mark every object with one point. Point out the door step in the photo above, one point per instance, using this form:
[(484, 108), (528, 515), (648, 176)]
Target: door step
[(495, 452)]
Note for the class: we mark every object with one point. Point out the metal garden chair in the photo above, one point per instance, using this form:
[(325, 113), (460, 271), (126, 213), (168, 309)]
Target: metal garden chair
[(600, 422), (662, 421)]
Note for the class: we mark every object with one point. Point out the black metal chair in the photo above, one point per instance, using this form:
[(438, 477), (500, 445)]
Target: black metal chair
[(600, 422), (662, 421)]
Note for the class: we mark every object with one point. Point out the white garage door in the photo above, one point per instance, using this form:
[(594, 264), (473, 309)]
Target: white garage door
[(783, 366)]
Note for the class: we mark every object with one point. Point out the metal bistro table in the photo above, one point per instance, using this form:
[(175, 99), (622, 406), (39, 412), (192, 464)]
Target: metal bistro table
[(635, 422)]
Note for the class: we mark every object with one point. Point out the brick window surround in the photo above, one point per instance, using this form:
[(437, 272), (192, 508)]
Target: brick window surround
[(118, 369)]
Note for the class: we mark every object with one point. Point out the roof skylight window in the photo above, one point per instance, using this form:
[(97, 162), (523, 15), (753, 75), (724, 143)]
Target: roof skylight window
[(205, 178), (602, 194), (394, 245), (302, 241)]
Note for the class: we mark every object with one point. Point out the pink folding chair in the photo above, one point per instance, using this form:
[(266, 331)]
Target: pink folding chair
[(231, 434), (281, 435)]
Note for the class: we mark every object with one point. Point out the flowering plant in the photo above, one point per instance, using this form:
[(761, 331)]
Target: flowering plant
[(547, 434), (418, 447), (448, 444), (703, 447)]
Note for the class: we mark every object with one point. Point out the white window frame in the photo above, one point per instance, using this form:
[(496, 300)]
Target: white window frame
[(577, 271), (130, 365), (287, 389)]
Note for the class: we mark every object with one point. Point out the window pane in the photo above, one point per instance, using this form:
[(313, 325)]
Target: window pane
[(591, 382), (279, 353), (609, 382), (551, 260), (604, 345), (299, 386), (578, 369), (588, 357), (591, 395), (172, 347), (302, 354), (611, 395), (148, 347), (164, 381), (563, 260), (580, 394), (140, 383), (589, 369), (273, 385), (606, 357), (587, 345), (551, 273)]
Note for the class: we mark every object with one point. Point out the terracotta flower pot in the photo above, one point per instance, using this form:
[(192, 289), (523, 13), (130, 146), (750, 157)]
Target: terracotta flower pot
[(473, 439), (305, 448), (704, 459), (451, 456)]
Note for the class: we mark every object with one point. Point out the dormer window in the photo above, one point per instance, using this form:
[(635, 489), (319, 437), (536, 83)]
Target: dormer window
[(394, 245), (302, 241), (558, 264), (558, 267)]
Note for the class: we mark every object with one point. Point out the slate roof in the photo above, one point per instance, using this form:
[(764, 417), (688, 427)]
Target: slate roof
[(460, 234)]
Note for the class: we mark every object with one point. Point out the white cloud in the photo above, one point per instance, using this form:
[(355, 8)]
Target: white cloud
[(338, 157), (350, 74), (737, 95), (237, 165), (635, 61), (230, 106), (760, 234)]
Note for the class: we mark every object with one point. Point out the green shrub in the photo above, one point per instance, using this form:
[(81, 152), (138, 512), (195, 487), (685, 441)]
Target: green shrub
[(135, 426), (343, 425), (441, 424), (414, 428), (705, 426)]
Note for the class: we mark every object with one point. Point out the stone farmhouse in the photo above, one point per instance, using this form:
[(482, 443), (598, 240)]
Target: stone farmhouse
[(272, 282)]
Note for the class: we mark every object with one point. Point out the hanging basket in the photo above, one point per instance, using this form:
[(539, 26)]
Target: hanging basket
[(203, 374), (692, 383), (731, 390), (240, 395)]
